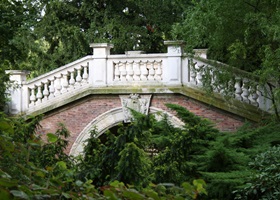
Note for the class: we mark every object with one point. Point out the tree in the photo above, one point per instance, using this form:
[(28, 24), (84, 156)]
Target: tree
[(42, 35), (148, 150), (16, 22), (264, 183), (246, 36), (4, 84), (33, 169), (226, 164)]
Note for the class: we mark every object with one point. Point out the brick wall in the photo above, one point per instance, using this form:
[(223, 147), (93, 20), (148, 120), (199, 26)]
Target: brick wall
[(77, 115)]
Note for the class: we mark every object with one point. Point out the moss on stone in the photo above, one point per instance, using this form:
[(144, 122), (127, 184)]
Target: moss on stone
[(231, 105)]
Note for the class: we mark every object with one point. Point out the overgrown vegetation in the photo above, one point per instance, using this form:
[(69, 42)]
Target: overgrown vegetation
[(33, 169), (148, 150), (145, 159), (41, 35), (243, 34)]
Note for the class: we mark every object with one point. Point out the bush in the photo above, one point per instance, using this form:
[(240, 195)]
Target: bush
[(265, 181)]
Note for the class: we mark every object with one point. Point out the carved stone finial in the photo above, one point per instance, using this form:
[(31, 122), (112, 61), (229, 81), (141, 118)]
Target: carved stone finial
[(139, 103)]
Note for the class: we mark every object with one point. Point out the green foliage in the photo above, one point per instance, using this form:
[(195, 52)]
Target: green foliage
[(134, 166), (4, 84), (117, 190), (17, 20), (265, 179), (42, 35), (225, 166), (246, 36), (124, 165), (32, 169), (148, 150)]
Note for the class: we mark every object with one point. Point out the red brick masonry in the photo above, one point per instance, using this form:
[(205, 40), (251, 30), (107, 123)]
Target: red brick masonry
[(77, 115)]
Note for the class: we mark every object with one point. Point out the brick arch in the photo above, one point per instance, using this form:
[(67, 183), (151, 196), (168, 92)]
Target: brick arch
[(108, 120), (77, 115)]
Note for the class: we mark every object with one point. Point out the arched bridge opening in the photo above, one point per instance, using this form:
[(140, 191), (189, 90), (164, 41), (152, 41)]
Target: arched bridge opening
[(106, 111)]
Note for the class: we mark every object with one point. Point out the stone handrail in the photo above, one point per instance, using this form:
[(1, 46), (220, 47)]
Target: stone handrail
[(236, 83), (135, 68), (48, 88)]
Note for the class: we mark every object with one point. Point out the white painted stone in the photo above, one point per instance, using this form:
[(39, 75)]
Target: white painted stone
[(17, 93), (133, 69)]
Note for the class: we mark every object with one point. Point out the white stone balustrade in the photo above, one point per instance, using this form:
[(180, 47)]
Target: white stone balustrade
[(128, 71), (133, 69), (51, 87), (243, 89)]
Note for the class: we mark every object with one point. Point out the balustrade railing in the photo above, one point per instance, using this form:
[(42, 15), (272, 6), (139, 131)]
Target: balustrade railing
[(58, 82), (139, 71), (51, 87), (230, 82), (134, 69)]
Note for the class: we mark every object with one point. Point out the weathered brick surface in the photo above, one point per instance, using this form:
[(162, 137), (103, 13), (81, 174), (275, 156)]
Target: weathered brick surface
[(77, 115)]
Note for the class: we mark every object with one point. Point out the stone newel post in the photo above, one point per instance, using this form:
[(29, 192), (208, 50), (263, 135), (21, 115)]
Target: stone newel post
[(18, 93), (173, 68), (98, 67)]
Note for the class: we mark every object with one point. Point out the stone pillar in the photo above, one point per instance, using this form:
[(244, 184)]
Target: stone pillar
[(202, 53), (98, 67), (172, 69), (17, 91)]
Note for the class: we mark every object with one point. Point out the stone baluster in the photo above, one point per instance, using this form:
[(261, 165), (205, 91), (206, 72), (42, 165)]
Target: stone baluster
[(212, 74), (137, 72), (158, 72), (58, 86), (51, 88), (245, 91), (32, 97), (117, 72), (39, 94), (72, 80), (238, 89), (199, 75), (85, 73), (254, 96), (123, 71), (78, 77), (151, 69), (129, 75), (45, 91), (144, 71), (65, 83), (231, 86), (193, 73)]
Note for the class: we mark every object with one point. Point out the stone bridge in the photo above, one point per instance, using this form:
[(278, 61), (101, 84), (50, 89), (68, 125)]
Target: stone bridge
[(96, 90)]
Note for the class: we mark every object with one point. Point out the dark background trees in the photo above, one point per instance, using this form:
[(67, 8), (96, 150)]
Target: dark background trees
[(242, 33), (43, 35)]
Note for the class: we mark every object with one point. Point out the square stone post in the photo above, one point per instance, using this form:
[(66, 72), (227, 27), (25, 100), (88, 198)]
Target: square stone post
[(172, 69), (98, 67), (18, 92), (202, 53)]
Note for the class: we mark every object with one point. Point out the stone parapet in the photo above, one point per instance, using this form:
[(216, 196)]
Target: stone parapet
[(102, 70)]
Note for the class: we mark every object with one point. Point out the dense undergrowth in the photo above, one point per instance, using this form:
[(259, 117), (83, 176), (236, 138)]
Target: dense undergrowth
[(146, 159)]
